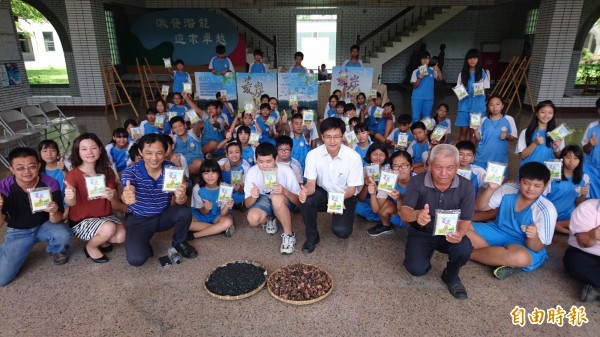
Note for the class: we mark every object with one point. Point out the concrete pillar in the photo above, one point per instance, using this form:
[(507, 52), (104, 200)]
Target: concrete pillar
[(556, 30)]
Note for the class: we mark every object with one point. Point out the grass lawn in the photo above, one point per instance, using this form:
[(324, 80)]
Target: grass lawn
[(48, 76)]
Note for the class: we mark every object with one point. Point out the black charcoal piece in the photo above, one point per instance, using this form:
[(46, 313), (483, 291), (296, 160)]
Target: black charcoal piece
[(234, 279)]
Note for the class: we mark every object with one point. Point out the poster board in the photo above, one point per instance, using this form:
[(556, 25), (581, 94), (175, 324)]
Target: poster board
[(304, 85), (357, 79), (250, 86)]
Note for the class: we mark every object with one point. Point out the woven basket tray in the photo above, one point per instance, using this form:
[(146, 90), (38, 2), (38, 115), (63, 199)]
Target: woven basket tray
[(314, 300), (238, 297)]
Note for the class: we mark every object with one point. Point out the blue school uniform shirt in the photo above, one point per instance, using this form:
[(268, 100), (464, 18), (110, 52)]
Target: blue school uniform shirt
[(148, 129), (59, 176), (541, 212), (257, 68), (300, 149), (379, 127), (473, 103), (425, 89), (370, 120), (205, 194), (180, 77), (349, 63), (331, 113), (220, 64), (363, 152), (563, 194), (212, 133), (300, 69), (150, 200), (248, 154), (180, 110), (541, 153), (118, 157), (265, 137), (416, 150), (491, 147), (191, 148), (167, 127), (394, 136)]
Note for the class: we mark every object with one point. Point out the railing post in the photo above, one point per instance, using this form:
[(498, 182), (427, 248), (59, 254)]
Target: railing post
[(275, 51)]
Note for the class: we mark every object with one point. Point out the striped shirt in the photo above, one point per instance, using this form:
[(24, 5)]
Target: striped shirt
[(150, 200)]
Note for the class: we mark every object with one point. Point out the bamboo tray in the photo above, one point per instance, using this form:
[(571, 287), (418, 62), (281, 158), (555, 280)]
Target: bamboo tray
[(314, 300), (238, 297)]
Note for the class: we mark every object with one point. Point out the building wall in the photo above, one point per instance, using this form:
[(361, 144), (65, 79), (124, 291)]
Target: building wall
[(43, 58), (488, 24), (14, 97)]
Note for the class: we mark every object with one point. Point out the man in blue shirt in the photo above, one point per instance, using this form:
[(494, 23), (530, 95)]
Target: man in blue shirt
[(220, 64), (258, 66), (298, 67), (150, 207)]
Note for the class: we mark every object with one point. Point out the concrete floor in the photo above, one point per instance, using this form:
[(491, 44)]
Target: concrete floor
[(373, 294)]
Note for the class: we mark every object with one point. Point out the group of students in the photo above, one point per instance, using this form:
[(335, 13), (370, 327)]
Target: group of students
[(279, 169)]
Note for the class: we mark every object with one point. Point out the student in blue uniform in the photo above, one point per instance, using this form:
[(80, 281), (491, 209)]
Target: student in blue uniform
[(369, 118), (187, 144), (209, 218), (161, 110), (592, 157), (148, 126), (117, 149), (298, 67), (418, 146), (385, 204), (534, 144), (220, 64), (233, 161), (364, 141), (572, 189), (179, 76), (383, 126), (243, 136), (214, 130), (301, 139), (258, 66), (330, 111), (353, 61), (266, 120), (517, 240), (466, 153), (471, 74), (403, 126), (128, 125), (179, 105), (376, 154), (496, 130), (439, 117), (52, 163), (423, 81)]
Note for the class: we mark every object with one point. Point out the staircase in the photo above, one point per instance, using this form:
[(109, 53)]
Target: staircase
[(394, 36)]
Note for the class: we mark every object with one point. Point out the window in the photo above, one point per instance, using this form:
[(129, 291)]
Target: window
[(112, 37), (49, 41), (532, 17), (316, 38), (26, 47)]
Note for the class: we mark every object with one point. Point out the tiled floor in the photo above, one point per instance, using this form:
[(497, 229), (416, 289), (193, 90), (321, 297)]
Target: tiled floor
[(373, 294)]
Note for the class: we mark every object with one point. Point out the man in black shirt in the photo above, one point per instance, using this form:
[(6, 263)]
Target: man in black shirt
[(25, 227), (439, 189)]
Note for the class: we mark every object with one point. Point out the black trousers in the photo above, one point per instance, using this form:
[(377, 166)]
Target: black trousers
[(341, 224), (583, 266), (419, 250), (139, 231)]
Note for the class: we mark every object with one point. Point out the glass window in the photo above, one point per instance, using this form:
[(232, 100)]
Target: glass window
[(316, 38), (112, 37), (49, 41), (532, 17)]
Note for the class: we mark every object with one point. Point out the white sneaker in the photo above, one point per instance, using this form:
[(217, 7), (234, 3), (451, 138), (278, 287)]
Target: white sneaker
[(229, 232), (288, 243), (271, 226)]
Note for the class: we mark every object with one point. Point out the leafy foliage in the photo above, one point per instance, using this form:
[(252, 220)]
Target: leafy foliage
[(24, 11)]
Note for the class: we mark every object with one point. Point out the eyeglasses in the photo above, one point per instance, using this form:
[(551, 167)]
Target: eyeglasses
[(336, 137), (401, 166), (31, 167), (284, 149)]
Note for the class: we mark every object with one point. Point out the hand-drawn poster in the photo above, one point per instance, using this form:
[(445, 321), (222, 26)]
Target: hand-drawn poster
[(208, 84), (251, 86), (304, 86), (356, 80)]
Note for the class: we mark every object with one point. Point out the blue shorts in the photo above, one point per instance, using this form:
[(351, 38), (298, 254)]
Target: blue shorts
[(208, 218), (494, 236), (264, 204), (462, 118)]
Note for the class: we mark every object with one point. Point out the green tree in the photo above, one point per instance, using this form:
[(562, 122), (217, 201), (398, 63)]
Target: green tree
[(24, 11)]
